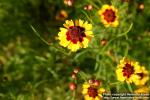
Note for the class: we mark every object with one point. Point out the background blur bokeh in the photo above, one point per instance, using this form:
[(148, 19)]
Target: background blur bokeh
[(33, 70)]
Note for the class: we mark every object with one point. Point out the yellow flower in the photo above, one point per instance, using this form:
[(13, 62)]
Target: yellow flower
[(142, 90), (127, 69), (142, 77), (92, 91), (108, 15), (142, 93), (75, 35)]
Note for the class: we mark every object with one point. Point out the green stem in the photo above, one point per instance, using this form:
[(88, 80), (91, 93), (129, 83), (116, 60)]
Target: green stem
[(50, 44), (83, 75), (125, 33), (91, 2), (73, 95), (130, 88), (120, 35), (87, 16), (115, 83), (37, 34)]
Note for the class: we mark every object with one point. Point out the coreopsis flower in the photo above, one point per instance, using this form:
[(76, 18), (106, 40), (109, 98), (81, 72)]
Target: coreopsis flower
[(127, 69), (142, 77), (92, 91), (142, 93), (142, 90), (75, 35), (108, 15)]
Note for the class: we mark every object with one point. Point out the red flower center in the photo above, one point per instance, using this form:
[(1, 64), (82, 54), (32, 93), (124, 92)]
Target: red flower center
[(92, 92), (128, 70), (109, 15), (75, 34)]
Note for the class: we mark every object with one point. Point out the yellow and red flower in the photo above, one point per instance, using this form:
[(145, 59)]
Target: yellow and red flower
[(127, 69), (92, 91), (142, 77), (75, 35), (108, 15)]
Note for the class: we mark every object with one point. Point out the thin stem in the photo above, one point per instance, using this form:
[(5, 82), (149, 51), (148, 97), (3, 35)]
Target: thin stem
[(123, 34), (130, 88), (93, 4), (74, 95), (83, 75), (37, 34), (87, 16), (50, 44), (115, 83)]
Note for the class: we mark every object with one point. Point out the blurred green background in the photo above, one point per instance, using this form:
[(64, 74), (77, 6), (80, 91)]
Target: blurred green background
[(32, 70)]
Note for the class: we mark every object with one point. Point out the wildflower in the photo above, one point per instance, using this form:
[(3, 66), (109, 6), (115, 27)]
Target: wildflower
[(127, 69), (108, 15), (142, 90), (75, 35), (92, 91), (142, 93), (142, 77)]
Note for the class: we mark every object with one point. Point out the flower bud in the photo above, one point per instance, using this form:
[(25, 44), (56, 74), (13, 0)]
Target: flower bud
[(76, 70), (97, 82), (72, 86), (141, 6), (68, 2), (88, 7), (103, 42), (73, 75)]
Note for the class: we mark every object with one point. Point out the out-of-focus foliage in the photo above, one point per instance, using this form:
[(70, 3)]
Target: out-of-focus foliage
[(32, 70)]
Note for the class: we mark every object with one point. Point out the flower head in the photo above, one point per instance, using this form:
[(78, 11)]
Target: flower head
[(142, 90), (92, 91), (75, 35), (142, 77), (108, 15), (127, 69)]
